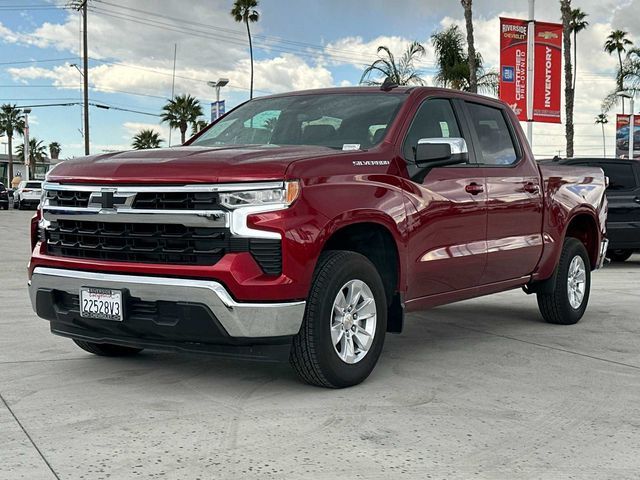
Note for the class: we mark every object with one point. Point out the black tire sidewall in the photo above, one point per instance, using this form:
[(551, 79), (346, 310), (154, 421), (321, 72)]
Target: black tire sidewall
[(337, 372), (572, 248)]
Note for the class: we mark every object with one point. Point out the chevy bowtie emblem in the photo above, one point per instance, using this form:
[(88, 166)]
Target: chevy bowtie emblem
[(547, 35), (110, 199)]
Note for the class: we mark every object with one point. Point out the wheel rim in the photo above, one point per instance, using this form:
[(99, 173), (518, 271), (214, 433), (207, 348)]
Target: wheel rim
[(353, 321), (576, 282)]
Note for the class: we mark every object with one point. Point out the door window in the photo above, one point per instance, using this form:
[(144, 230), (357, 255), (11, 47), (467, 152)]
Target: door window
[(434, 119), (495, 144)]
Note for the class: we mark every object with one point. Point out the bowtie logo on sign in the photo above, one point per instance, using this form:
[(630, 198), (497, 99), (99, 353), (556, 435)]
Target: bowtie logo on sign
[(535, 99)]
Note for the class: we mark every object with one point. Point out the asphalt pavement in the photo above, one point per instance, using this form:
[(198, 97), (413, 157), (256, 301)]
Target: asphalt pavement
[(482, 389)]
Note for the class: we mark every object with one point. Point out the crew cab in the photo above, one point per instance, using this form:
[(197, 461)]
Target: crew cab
[(308, 224)]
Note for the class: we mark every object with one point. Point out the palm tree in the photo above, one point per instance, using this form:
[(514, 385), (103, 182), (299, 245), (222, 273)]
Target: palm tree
[(37, 153), (578, 24), (628, 78), (198, 126), (602, 120), (402, 72), (146, 139), (565, 8), (244, 11), (11, 122), (181, 112), (471, 49), (618, 42), (453, 63), (54, 150)]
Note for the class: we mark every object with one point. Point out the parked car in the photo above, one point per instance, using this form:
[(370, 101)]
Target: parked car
[(27, 194), (4, 197), (623, 224), (358, 205)]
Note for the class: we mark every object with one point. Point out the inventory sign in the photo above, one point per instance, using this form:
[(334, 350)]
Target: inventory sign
[(622, 136), (513, 65), (548, 72)]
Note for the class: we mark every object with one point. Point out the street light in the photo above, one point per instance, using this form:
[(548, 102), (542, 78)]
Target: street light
[(632, 128), (218, 85), (25, 147)]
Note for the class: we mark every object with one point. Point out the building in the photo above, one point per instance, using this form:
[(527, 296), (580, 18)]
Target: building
[(18, 168)]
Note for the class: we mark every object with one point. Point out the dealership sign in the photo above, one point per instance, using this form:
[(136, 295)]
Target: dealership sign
[(622, 136), (528, 48)]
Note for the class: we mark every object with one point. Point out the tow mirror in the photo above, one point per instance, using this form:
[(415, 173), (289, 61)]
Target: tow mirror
[(439, 152)]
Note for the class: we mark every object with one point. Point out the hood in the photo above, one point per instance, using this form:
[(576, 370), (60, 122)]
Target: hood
[(185, 165)]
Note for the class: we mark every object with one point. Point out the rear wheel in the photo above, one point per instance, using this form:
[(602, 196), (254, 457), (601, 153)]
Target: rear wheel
[(345, 321), (566, 304), (107, 349), (619, 255)]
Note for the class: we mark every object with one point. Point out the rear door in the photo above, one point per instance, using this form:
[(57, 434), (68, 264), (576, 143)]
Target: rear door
[(514, 195)]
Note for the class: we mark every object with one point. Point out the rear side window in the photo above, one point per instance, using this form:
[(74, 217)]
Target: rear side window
[(495, 142), (620, 175)]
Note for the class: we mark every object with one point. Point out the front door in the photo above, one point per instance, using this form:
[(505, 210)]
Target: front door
[(446, 212)]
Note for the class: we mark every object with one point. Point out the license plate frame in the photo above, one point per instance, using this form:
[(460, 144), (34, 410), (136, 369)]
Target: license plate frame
[(102, 304)]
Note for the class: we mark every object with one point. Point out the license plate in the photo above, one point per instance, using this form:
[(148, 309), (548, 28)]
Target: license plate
[(101, 303)]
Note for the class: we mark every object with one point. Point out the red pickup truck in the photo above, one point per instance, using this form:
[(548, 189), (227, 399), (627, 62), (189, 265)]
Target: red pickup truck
[(308, 224)]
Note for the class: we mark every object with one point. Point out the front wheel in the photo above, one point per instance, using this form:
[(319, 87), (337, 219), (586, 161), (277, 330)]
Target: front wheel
[(566, 304), (345, 321), (107, 349)]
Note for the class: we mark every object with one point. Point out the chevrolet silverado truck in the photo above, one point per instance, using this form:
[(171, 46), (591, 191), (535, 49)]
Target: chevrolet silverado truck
[(308, 224)]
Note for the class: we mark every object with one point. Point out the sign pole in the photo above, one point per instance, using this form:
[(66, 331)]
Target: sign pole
[(530, 70)]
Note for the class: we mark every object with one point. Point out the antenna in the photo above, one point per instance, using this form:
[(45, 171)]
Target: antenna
[(388, 85)]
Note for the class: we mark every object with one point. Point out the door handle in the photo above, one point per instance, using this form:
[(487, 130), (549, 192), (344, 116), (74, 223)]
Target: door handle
[(637, 199), (531, 188), (474, 189)]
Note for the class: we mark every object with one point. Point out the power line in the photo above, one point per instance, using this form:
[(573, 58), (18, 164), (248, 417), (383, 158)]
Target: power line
[(44, 60)]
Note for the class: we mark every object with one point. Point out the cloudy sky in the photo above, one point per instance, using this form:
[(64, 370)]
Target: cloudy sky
[(301, 44)]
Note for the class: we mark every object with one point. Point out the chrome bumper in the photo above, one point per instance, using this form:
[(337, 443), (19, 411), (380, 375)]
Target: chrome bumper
[(239, 319)]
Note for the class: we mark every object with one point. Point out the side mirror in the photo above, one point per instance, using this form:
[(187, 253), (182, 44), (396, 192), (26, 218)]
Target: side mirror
[(439, 152)]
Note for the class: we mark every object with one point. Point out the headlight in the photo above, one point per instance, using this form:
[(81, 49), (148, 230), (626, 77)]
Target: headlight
[(257, 198)]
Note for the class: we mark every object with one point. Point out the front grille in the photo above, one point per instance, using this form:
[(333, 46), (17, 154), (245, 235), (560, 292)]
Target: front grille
[(132, 242), (65, 198), (177, 201)]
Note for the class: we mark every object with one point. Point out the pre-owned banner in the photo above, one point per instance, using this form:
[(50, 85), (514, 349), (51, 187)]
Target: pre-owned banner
[(513, 65), (548, 72), (622, 136)]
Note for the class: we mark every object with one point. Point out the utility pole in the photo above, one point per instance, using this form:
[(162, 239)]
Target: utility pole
[(25, 146), (85, 77), (530, 69)]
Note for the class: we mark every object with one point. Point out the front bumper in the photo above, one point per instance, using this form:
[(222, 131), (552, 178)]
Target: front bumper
[(161, 311)]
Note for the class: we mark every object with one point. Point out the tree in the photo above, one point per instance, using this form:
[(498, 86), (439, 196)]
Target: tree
[(565, 8), (627, 79), (471, 49), (453, 63), (37, 153), (181, 112), (11, 122), (54, 150), (602, 120), (618, 42), (146, 139), (198, 126), (244, 11), (578, 24), (402, 72)]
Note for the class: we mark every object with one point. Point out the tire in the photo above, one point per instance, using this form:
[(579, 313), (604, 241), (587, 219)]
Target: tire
[(558, 306), (314, 355), (619, 255), (107, 349)]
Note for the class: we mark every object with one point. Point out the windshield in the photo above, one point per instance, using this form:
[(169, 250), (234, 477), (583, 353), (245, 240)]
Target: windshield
[(341, 121)]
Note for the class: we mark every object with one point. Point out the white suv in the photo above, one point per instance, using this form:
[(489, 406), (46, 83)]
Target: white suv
[(27, 194)]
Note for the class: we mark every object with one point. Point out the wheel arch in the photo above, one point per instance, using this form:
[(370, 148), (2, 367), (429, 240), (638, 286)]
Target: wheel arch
[(583, 226)]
